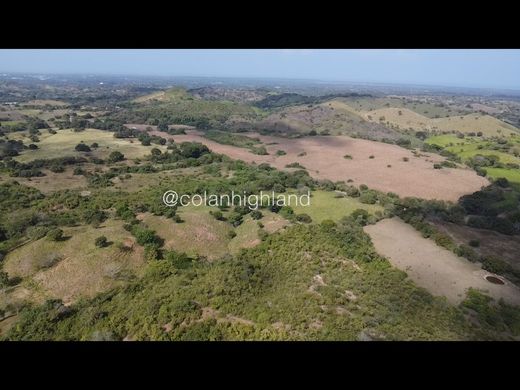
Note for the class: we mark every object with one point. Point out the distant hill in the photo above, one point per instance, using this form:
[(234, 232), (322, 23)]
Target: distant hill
[(333, 117), (405, 119), (290, 99)]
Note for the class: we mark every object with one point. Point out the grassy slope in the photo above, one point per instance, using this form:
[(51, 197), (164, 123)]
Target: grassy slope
[(325, 206), (488, 125), (427, 109), (83, 270)]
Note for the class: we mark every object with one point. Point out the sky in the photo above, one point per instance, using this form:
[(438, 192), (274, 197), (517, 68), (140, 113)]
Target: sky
[(442, 67)]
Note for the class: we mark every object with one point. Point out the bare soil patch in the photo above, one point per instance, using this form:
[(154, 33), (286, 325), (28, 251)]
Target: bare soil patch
[(324, 159), (432, 267)]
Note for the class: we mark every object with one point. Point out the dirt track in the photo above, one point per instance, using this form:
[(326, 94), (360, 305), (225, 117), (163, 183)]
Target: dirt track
[(324, 160)]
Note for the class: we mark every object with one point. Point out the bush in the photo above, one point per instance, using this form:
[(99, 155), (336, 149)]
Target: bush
[(178, 260), (55, 234), (217, 215), (305, 218), (474, 243), (256, 214), (82, 148), (145, 236), (368, 197), (115, 156), (101, 242), (4, 279)]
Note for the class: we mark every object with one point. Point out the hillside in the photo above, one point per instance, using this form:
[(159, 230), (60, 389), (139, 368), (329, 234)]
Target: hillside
[(332, 117), (405, 119)]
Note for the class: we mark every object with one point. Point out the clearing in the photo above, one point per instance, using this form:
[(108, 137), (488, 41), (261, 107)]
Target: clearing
[(432, 267), (62, 144), (75, 267), (326, 205), (415, 177)]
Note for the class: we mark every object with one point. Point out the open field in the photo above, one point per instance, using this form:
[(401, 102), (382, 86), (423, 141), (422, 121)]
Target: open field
[(470, 147), (513, 175), (45, 102), (75, 267), (247, 233), (63, 143), (415, 177), (201, 234), (52, 182), (432, 267), (407, 119), (325, 205)]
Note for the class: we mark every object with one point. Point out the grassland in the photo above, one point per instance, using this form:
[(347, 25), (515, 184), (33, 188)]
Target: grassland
[(52, 181), (513, 175), (62, 144), (74, 267), (326, 205), (429, 110), (406, 119), (471, 146), (199, 233)]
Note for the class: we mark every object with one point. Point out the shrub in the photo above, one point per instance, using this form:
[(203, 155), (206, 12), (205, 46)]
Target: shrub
[(256, 214), (4, 279), (145, 236), (368, 197), (115, 156), (217, 215), (101, 242), (178, 260), (474, 243), (81, 147), (55, 234), (305, 218)]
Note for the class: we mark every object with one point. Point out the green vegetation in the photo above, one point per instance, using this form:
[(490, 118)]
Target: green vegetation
[(326, 205), (227, 299), (234, 139)]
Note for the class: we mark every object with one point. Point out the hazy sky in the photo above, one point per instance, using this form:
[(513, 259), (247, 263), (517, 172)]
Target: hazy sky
[(465, 68)]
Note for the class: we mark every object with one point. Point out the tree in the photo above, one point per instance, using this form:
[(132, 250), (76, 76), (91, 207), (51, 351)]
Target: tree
[(55, 234), (81, 147), (115, 156), (101, 242)]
